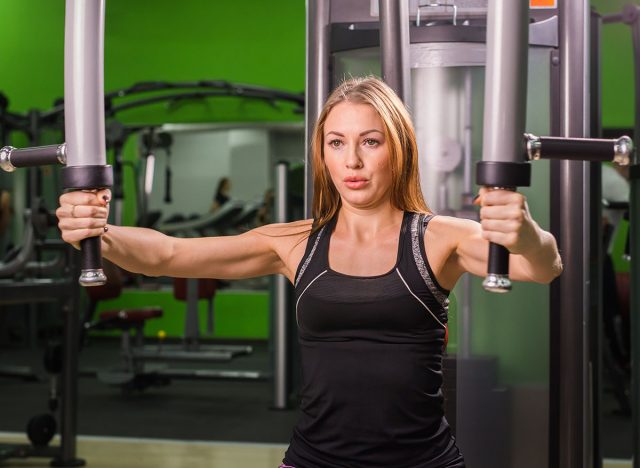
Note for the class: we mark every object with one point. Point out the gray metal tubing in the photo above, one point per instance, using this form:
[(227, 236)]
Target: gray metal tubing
[(69, 383), (634, 240), (570, 309), (506, 80), (84, 83), (11, 158), (317, 82), (9, 269), (394, 46), (48, 267), (281, 313)]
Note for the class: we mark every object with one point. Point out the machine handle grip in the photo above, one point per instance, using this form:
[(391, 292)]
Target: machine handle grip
[(91, 273), (497, 279), (617, 150), (12, 158)]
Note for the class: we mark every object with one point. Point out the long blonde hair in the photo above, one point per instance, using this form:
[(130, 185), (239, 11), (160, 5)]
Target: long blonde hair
[(406, 194)]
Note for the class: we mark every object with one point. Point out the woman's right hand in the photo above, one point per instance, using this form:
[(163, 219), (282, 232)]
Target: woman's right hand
[(83, 214)]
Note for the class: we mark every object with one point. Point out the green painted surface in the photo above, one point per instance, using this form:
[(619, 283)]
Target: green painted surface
[(237, 314)]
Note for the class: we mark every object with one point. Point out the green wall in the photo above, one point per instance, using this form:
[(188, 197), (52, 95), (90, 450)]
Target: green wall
[(617, 67), (251, 42)]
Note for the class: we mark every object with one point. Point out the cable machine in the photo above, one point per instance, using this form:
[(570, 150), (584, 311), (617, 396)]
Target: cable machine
[(528, 359)]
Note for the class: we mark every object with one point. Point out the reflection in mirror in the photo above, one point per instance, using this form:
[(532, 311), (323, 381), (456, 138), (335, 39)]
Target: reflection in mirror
[(214, 179)]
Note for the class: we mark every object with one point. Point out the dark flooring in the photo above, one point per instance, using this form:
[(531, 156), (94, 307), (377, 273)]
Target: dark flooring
[(221, 410)]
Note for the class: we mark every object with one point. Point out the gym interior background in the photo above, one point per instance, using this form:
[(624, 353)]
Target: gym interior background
[(254, 43)]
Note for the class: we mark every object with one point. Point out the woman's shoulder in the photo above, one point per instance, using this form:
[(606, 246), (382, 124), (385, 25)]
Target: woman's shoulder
[(286, 231), (452, 227)]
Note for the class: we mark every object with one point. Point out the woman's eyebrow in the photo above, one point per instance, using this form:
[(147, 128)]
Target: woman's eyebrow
[(361, 134)]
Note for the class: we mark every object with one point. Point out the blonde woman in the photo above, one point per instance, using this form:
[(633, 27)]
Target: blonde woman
[(372, 271)]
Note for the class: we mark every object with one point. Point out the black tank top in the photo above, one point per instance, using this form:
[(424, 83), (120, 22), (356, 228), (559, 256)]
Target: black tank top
[(371, 352)]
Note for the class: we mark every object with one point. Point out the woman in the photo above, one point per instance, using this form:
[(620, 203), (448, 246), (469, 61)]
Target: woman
[(372, 273), (222, 194)]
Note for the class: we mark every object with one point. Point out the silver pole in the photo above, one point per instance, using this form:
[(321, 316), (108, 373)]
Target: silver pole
[(281, 310), (394, 46), (570, 222), (506, 80), (84, 83), (318, 82), (632, 17), (504, 115), (467, 196)]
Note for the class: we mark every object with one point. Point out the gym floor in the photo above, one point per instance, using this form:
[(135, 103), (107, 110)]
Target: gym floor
[(188, 423)]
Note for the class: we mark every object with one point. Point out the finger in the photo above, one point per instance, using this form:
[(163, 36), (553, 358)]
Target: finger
[(75, 236), (502, 197), (503, 212), (78, 224), (503, 226), (88, 211), (477, 200), (81, 197), (501, 238), (104, 195)]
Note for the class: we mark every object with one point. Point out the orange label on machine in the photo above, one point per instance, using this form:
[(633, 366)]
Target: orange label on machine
[(543, 3)]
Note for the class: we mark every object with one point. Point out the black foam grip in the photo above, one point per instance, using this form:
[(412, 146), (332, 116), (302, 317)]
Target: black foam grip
[(91, 258), (36, 156), (503, 174), (87, 177), (498, 259), (577, 149)]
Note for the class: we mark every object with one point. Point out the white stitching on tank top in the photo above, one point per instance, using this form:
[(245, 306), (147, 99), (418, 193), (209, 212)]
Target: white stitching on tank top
[(420, 301), (305, 290), (308, 259), (422, 267)]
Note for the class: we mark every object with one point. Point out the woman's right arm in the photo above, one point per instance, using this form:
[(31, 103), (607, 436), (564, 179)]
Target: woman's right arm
[(254, 253)]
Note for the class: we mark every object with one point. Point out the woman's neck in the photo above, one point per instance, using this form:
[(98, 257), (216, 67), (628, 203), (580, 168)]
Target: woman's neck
[(368, 223)]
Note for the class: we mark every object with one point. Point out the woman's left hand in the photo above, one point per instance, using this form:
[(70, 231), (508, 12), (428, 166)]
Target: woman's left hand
[(505, 220)]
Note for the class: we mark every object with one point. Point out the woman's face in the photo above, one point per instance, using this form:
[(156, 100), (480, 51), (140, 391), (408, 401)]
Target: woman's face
[(356, 155)]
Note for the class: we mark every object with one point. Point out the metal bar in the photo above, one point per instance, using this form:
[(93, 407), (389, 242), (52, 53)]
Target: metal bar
[(84, 83), (84, 115), (69, 379), (12, 158), (634, 240), (317, 82), (597, 248), (281, 360), (570, 224), (504, 109), (394, 46)]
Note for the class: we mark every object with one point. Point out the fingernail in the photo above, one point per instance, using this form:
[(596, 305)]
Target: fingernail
[(105, 198), (106, 228)]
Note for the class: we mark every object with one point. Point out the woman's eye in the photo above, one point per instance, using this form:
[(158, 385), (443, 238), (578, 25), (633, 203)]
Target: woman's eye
[(335, 143), (371, 142)]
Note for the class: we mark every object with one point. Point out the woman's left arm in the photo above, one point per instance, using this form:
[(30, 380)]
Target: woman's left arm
[(505, 220)]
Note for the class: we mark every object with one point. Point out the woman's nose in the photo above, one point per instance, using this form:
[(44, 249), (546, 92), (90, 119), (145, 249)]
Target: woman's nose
[(353, 160)]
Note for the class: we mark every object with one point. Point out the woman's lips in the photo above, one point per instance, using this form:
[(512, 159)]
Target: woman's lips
[(355, 182)]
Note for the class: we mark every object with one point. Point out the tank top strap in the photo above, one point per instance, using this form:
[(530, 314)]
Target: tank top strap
[(419, 224), (316, 243)]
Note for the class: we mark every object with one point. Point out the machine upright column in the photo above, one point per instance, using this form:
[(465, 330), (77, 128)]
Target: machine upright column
[(280, 320), (394, 46), (631, 14), (317, 82), (571, 395)]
